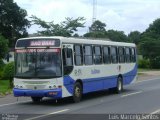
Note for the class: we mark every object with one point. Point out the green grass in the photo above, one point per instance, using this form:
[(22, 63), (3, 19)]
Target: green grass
[(145, 70), (4, 86), (139, 73)]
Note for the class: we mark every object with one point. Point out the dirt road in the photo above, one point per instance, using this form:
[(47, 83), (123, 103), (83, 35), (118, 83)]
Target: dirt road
[(148, 75)]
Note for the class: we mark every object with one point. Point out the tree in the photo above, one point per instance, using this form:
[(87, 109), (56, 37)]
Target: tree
[(118, 36), (95, 35), (3, 47), (134, 37), (76, 35), (8, 73), (152, 32), (151, 50), (97, 26), (65, 28), (150, 44), (13, 22), (97, 30)]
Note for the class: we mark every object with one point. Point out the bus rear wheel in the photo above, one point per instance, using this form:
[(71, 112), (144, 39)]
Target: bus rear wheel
[(119, 87), (77, 93), (36, 99)]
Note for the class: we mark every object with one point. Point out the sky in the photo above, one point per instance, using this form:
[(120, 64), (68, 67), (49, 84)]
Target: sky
[(121, 15)]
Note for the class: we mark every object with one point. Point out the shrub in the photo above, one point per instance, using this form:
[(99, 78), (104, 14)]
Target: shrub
[(1, 74), (1, 64), (8, 72), (1, 68), (3, 47), (144, 63), (155, 62)]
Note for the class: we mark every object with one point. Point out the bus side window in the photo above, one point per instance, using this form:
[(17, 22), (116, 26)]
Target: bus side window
[(121, 55), (88, 55), (67, 60), (114, 54), (127, 51), (106, 55), (78, 55), (133, 55), (98, 55)]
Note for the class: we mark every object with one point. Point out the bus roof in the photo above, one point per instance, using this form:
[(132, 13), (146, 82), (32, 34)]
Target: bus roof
[(69, 40)]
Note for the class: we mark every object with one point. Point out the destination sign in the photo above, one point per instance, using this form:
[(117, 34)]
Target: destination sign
[(42, 43), (38, 43)]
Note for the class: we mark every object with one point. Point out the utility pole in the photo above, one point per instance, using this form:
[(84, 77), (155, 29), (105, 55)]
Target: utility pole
[(94, 11)]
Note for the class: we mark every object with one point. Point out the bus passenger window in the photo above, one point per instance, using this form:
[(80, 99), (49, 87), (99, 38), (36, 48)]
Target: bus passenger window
[(106, 55), (98, 55), (114, 54), (88, 55), (133, 55), (121, 55), (67, 61), (127, 50), (78, 56)]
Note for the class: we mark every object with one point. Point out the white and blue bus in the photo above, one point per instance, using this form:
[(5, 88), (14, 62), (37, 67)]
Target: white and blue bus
[(59, 67)]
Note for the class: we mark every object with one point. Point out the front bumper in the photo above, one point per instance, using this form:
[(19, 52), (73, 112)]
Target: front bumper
[(54, 93)]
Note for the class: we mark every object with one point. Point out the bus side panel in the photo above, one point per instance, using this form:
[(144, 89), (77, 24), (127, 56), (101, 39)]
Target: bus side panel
[(89, 85), (128, 79), (110, 82), (68, 83), (92, 84), (97, 83), (100, 83), (130, 76)]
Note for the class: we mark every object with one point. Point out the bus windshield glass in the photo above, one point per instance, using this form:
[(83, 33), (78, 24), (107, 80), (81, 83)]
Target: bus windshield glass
[(38, 63)]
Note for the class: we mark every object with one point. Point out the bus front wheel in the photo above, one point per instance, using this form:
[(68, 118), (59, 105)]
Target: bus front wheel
[(77, 93), (36, 99)]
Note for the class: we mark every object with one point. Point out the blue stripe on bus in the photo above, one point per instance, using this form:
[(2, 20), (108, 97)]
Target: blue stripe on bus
[(95, 84)]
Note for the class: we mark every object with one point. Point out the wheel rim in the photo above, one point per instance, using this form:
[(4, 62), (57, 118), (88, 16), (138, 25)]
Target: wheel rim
[(119, 85), (77, 92)]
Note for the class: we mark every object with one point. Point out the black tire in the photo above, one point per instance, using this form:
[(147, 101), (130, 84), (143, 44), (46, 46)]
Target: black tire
[(36, 99), (119, 87), (77, 92)]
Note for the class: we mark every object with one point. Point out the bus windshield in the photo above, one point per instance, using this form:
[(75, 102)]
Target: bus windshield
[(38, 63)]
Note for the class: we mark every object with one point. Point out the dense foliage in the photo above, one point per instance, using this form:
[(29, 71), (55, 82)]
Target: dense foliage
[(134, 37), (150, 44), (13, 22), (8, 72), (3, 47), (1, 69), (65, 28), (98, 30), (144, 63), (117, 36)]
